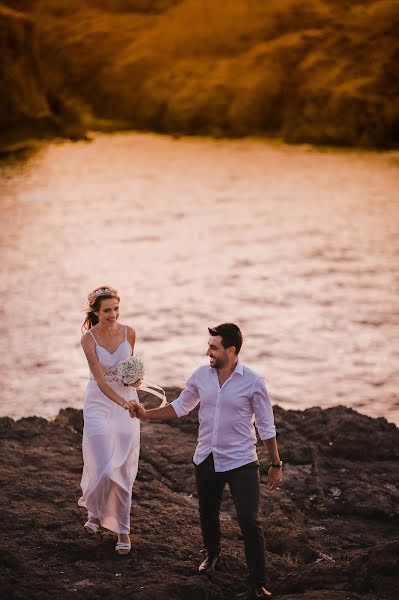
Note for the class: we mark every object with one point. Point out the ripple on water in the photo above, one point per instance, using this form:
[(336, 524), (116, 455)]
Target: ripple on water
[(299, 247)]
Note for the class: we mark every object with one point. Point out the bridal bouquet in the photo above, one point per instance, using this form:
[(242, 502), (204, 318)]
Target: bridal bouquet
[(131, 372)]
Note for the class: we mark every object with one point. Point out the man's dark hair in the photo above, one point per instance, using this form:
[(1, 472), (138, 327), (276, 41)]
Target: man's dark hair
[(230, 334)]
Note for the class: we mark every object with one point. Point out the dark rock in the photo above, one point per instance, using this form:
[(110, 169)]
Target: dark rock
[(331, 530), (377, 569), (6, 424), (71, 417)]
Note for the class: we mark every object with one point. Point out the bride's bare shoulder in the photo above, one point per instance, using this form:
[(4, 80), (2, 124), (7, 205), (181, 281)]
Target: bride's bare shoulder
[(87, 339), (131, 333)]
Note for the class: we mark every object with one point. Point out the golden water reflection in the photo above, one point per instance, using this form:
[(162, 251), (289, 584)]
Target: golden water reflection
[(300, 247)]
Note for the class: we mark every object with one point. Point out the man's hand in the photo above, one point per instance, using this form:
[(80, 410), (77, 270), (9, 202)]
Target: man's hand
[(274, 477), (137, 410), (128, 405)]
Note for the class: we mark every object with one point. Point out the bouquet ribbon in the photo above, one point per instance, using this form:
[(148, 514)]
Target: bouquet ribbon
[(146, 386)]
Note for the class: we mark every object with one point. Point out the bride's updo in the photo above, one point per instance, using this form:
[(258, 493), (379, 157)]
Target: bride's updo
[(94, 300)]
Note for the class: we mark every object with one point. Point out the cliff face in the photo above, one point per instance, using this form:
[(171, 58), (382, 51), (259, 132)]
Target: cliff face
[(24, 110), (320, 71), (307, 70), (28, 107)]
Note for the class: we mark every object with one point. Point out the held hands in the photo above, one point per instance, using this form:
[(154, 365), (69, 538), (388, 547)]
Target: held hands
[(274, 477), (136, 410)]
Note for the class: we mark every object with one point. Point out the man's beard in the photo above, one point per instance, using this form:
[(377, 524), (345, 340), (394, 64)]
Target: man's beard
[(218, 363)]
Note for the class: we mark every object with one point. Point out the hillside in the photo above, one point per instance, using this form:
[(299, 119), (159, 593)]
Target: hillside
[(28, 108), (24, 110), (324, 72)]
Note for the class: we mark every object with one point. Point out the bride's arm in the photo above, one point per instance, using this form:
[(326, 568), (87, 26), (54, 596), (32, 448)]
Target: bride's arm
[(89, 348)]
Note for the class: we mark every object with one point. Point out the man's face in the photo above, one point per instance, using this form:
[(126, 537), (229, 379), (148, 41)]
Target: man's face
[(218, 355)]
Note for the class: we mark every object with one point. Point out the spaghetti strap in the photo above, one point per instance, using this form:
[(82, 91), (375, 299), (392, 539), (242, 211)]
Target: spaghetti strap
[(93, 336)]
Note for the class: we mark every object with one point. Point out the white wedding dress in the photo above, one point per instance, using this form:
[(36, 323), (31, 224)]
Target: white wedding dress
[(111, 445)]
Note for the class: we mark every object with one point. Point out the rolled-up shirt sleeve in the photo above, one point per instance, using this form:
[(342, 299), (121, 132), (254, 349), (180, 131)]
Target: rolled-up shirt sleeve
[(188, 398), (263, 411)]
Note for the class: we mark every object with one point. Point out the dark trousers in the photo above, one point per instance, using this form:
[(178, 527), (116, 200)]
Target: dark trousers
[(244, 486)]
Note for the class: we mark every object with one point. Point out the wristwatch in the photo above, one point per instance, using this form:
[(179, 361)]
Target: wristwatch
[(278, 465)]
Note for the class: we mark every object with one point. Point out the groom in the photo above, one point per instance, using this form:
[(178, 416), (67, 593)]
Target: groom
[(231, 398)]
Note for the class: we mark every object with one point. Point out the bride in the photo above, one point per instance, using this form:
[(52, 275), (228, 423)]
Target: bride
[(111, 440)]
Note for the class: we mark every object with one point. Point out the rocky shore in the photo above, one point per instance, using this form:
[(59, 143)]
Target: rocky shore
[(332, 530)]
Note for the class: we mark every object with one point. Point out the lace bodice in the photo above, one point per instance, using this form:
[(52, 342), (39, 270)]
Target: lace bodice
[(110, 360)]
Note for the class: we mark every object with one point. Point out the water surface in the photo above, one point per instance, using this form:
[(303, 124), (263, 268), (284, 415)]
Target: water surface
[(298, 246)]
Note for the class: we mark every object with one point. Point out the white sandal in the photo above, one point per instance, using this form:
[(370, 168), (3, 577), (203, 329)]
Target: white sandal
[(123, 548), (91, 528)]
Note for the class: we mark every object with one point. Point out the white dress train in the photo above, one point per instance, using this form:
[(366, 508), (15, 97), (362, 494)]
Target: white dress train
[(111, 446)]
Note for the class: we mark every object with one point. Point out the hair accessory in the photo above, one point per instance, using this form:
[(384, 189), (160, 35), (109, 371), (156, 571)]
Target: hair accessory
[(100, 292)]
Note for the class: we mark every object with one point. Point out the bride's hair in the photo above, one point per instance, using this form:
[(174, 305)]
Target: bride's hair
[(94, 300)]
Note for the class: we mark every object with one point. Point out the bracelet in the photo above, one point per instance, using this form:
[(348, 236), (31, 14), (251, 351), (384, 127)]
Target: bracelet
[(278, 465)]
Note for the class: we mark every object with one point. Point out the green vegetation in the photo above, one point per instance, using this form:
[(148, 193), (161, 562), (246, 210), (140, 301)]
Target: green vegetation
[(324, 72)]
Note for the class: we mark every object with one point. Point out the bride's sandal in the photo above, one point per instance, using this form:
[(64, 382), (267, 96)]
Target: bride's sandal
[(123, 548), (91, 528)]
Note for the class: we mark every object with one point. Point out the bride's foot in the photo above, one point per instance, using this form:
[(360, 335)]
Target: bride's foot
[(123, 545), (92, 526)]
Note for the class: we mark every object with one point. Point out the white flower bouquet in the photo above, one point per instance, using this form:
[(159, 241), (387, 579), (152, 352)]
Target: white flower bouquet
[(131, 372)]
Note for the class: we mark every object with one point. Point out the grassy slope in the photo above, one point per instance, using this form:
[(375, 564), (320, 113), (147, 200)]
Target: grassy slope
[(22, 101), (25, 101), (309, 70)]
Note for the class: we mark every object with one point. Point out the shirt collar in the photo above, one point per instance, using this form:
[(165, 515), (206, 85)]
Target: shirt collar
[(239, 368)]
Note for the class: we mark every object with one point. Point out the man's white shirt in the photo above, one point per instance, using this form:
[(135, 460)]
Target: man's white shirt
[(227, 415)]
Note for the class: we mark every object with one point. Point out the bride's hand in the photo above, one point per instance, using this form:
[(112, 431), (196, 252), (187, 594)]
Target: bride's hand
[(129, 405), (136, 410)]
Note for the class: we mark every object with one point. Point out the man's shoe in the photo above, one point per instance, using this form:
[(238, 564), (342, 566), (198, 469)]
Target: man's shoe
[(261, 592), (209, 564)]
